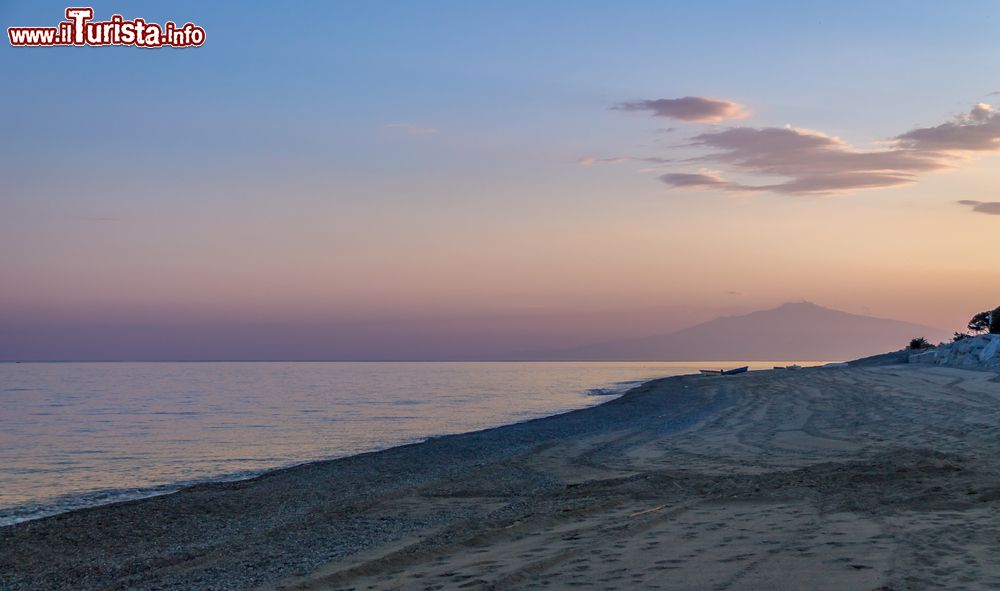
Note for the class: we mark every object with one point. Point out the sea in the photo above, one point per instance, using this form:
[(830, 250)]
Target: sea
[(75, 435)]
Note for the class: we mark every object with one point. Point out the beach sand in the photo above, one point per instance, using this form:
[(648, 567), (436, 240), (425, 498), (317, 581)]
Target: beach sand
[(867, 477)]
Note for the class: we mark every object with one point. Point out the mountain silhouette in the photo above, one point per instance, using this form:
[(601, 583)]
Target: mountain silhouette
[(794, 331)]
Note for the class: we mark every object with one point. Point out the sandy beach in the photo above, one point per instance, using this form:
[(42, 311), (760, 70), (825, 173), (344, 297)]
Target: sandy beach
[(452, 296), (866, 477)]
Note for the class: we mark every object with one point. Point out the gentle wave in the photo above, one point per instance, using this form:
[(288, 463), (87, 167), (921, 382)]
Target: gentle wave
[(77, 435)]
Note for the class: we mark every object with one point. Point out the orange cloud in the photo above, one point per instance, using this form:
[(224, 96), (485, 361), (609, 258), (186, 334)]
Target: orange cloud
[(811, 162), (987, 207), (688, 108)]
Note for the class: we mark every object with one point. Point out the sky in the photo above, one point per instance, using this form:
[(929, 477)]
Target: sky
[(388, 180)]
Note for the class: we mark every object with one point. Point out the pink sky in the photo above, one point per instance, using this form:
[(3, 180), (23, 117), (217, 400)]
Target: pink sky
[(373, 190)]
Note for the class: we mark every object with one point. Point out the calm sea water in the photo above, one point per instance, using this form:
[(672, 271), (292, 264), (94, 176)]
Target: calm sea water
[(81, 434)]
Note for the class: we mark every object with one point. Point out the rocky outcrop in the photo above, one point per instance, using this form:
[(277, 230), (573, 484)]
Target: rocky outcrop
[(982, 352)]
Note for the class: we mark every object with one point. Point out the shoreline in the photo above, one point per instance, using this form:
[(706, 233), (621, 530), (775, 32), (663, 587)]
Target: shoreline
[(513, 437), (606, 394), (837, 472), (77, 501)]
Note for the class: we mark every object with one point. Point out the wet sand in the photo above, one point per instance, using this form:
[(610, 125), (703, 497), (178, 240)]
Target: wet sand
[(873, 477)]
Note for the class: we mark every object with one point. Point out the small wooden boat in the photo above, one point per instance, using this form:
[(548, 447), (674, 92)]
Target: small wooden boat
[(732, 372), (711, 372)]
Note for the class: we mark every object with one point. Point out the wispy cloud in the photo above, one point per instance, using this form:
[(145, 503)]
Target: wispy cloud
[(977, 131), (411, 128), (987, 207), (807, 162), (687, 180), (594, 161), (688, 108), (812, 162)]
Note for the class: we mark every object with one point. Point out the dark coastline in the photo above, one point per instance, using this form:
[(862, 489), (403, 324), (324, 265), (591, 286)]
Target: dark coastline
[(261, 521), (875, 475)]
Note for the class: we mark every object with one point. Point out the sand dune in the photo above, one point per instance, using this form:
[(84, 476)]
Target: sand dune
[(849, 478)]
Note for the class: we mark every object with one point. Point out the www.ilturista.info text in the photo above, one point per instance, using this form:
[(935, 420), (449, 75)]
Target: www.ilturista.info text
[(81, 29)]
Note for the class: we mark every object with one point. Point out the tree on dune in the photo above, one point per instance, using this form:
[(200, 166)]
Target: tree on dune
[(980, 323), (988, 321)]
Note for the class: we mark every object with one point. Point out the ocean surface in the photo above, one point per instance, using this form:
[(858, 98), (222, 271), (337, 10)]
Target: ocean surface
[(75, 435)]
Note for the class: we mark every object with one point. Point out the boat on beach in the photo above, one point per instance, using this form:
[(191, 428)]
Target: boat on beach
[(724, 372)]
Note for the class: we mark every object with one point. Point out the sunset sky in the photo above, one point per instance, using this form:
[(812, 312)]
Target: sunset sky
[(402, 179)]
